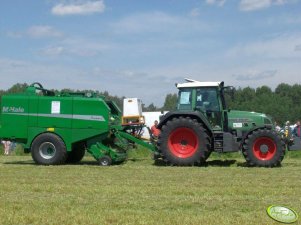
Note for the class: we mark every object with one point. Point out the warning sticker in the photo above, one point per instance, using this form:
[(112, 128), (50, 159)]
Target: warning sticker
[(55, 107), (237, 125)]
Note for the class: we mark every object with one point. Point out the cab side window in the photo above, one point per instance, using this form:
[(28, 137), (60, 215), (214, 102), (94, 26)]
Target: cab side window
[(206, 99)]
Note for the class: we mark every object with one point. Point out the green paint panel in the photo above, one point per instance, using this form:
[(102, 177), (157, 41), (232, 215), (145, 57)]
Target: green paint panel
[(72, 117), (54, 112), (90, 113), (244, 121), (33, 104), (14, 118)]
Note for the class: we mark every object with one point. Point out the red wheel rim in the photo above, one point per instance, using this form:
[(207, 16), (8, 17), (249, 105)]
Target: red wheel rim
[(183, 142), (264, 148)]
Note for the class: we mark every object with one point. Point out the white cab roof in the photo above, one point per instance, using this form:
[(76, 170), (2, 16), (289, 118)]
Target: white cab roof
[(195, 83)]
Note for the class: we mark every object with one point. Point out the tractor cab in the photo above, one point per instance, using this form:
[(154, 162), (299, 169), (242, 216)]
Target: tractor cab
[(204, 97)]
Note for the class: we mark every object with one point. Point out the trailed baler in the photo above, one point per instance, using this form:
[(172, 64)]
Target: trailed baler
[(59, 127)]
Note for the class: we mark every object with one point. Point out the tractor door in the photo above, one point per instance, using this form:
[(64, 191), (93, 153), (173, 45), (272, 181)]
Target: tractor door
[(207, 101)]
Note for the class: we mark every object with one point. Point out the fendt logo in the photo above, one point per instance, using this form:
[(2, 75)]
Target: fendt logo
[(282, 214), (12, 109)]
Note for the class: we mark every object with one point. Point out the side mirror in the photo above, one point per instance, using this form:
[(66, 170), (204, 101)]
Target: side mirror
[(230, 90)]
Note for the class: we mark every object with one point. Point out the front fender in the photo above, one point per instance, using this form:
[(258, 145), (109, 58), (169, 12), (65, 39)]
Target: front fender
[(254, 129), (192, 114)]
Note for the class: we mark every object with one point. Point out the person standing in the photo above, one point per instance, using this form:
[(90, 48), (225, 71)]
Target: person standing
[(297, 129), (277, 127), (6, 145), (154, 129)]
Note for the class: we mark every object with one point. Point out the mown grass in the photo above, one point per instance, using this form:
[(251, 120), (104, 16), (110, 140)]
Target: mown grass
[(224, 191)]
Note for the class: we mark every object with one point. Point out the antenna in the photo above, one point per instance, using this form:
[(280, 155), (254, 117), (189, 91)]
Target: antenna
[(191, 80)]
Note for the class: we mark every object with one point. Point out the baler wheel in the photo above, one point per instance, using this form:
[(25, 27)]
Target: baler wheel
[(105, 161), (77, 153), (48, 149), (263, 148)]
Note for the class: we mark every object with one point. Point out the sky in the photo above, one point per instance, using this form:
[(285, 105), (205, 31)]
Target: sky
[(141, 48)]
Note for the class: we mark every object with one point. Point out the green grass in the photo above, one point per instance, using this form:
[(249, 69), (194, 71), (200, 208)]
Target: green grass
[(138, 192)]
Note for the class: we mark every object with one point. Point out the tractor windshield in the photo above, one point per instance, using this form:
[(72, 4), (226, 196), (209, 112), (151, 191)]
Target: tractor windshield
[(185, 99)]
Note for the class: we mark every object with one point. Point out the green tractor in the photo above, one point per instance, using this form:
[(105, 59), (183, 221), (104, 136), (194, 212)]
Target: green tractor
[(203, 124)]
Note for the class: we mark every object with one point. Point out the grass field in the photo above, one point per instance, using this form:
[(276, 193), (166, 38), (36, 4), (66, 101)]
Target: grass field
[(224, 191)]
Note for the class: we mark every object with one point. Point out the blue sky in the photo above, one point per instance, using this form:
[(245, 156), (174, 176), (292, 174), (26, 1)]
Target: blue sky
[(141, 48)]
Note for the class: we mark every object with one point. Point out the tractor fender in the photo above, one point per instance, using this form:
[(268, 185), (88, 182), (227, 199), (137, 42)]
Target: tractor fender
[(192, 114), (254, 129)]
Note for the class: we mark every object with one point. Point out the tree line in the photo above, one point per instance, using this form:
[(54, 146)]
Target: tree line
[(283, 103)]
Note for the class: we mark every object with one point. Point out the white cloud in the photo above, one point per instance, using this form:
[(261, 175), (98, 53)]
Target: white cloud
[(282, 2), (298, 47), (74, 47), (278, 47), (129, 83), (13, 34), (254, 75), (79, 8), (252, 5), (40, 31), (145, 22), (53, 51), (157, 22), (117, 83), (283, 19), (43, 32), (195, 12), (18, 71), (216, 2), (133, 82)]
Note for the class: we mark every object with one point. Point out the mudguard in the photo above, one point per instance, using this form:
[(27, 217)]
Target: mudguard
[(192, 114)]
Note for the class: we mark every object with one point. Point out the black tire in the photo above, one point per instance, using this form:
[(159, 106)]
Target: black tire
[(207, 154), (77, 153), (184, 142), (48, 149), (263, 148), (105, 161)]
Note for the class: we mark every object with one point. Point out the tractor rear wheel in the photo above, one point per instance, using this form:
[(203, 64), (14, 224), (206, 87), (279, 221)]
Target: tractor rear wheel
[(77, 153), (184, 142), (48, 149), (263, 148)]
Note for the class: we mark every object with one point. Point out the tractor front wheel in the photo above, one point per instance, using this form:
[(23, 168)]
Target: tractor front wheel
[(263, 148), (184, 142)]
